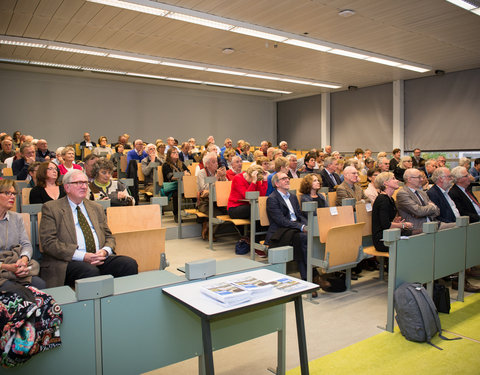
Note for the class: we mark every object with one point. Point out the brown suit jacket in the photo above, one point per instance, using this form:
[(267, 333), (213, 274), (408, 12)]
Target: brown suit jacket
[(59, 240), (344, 191), (410, 208)]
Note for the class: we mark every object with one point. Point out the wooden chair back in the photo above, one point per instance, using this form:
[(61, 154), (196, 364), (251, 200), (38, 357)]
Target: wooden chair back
[(27, 224), (140, 175), (26, 195), (39, 219), (192, 167), (343, 243), (364, 216), (160, 175), (86, 152), (295, 184), (262, 209), (222, 190), (123, 163), (190, 188), (394, 195), (134, 217), (332, 198), (326, 220), (363, 180), (7, 171), (246, 165), (477, 195)]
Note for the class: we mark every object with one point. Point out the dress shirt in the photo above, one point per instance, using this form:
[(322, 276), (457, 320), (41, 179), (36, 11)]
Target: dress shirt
[(12, 233), (286, 198), (450, 202), (422, 202), (332, 177), (81, 249), (475, 205)]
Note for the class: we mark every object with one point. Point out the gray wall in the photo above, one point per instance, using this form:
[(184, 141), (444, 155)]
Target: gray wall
[(60, 108), (299, 122)]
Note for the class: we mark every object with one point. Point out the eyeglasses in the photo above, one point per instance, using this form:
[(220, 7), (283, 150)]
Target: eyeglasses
[(9, 193), (415, 177), (78, 183), (284, 178), (52, 169)]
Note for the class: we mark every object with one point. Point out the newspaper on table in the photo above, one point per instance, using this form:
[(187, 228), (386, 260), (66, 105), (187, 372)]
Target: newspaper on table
[(253, 285), (226, 293)]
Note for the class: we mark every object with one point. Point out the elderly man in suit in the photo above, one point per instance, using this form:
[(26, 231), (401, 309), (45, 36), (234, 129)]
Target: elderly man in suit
[(350, 188), (330, 179), (438, 194), (76, 240), (465, 201), (413, 203)]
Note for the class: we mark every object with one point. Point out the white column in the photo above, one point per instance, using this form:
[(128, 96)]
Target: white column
[(325, 120), (398, 139)]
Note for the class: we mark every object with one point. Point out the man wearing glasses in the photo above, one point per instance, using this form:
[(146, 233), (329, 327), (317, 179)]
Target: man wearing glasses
[(413, 203), (76, 240), (465, 201), (350, 188)]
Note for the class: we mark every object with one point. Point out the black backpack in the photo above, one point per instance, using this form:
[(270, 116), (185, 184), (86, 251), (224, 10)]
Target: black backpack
[(417, 316)]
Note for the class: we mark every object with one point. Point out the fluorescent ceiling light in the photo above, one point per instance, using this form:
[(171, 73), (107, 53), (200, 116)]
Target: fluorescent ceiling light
[(383, 61), (476, 11), (327, 85), (186, 66), (224, 71), (301, 82), (145, 75), (314, 46), (53, 65), (98, 70), (183, 80), (133, 58), (218, 84), (76, 50), (261, 76), (278, 91), (199, 21), (22, 44), (150, 9), (462, 4), (258, 34), (15, 61), (249, 88), (342, 52), (414, 68)]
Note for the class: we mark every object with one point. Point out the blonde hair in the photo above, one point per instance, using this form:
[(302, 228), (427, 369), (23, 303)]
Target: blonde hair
[(382, 178)]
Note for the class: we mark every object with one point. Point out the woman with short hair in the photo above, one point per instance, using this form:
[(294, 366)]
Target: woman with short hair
[(48, 186), (309, 187), (404, 164), (68, 156), (102, 149)]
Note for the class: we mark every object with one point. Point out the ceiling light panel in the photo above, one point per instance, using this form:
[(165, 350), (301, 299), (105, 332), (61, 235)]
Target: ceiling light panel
[(314, 46), (76, 50), (258, 34), (185, 66), (133, 58), (22, 44), (199, 21), (150, 9), (462, 4)]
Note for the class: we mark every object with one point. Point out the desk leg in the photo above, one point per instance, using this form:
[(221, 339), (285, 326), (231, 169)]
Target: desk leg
[(207, 347), (302, 342)]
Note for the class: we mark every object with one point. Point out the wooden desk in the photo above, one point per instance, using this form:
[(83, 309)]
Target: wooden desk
[(190, 296)]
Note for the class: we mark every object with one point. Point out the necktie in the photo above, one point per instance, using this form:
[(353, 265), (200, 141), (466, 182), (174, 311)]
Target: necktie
[(420, 198), (333, 179), (472, 197), (87, 232)]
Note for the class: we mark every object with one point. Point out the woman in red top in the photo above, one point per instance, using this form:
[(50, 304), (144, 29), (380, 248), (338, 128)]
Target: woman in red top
[(254, 179)]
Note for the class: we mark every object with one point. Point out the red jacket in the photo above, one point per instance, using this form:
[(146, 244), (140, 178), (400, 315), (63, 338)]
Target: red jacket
[(240, 186)]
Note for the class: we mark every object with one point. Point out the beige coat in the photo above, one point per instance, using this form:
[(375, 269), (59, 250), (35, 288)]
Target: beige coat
[(344, 191), (411, 209)]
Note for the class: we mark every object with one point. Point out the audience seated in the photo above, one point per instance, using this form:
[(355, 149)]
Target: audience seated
[(309, 188), (430, 167), (32, 173), (475, 170), (254, 179), (465, 201), (310, 161), (88, 164), (227, 157), (68, 157), (441, 161), (16, 139), (123, 141), (87, 143), (48, 186), (161, 151), (246, 155), (185, 153), (280, 165), (58, 156), (116, 157), (383, 164), (173, 164), (283, 145), (371, 191), (413, 203), (227, 145), (384, 212), (20, 166), (330, 178), (43, 153), (148, 165), (417, 161), (7, 151), (292, 166), (404, 164), (438, 194), (235, 167), (138, 153), (102, 149), (350, 188), (394, 160), (16, 264), (76, 240)]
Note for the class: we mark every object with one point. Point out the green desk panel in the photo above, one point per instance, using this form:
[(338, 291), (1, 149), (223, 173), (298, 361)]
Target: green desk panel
[(449, 251), (473, 245), (415, 259)]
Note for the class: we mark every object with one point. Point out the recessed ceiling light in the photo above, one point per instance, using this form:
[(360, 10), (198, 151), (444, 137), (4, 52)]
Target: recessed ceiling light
[(346, 13), (228, 51)]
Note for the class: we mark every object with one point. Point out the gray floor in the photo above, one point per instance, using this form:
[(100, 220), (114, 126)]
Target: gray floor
[(333, 322)]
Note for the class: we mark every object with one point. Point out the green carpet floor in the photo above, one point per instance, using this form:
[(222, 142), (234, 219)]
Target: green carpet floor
[(388, 353)]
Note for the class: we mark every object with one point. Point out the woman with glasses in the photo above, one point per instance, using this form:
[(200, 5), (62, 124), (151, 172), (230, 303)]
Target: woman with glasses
[(103, 187), (384, 213), (404, 164), (48, 186), (16, 264), (254, 179)]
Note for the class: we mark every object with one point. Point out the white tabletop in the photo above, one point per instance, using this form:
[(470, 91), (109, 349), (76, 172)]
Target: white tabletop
[(191, 295)]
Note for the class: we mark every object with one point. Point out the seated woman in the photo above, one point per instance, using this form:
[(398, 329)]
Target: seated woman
[(173, 164), (68, 156), (161, 151), (32, 172), (254, 179), (371, 191), (246, 155), (309, 188), (384, 213), (116, 157), (48, 184), (16, 264), (102, 149), (404, 164), (103, 187), (149, 164)]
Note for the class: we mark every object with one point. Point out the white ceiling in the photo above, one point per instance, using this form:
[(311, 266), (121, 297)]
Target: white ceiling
[(430, 32)]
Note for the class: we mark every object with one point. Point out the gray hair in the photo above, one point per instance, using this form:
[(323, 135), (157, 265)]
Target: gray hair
[(209, 156), (439, 173), (430, 161), (282, 143), (382, 178), (69, 175), (410, 173), (328, 161), (464, 162), (458, 173), (403, 160)]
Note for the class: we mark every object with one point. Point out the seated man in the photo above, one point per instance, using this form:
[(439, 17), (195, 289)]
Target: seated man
[(475, 170), (465, 201), (281, 165), (438, 193), (148, 165), (87, 142), (20, 166), (350, 188), (330, 178), (138, 153), (76, 240), (7, 151), (292, 166), (413, 203), (43, 153), (430, 167)]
